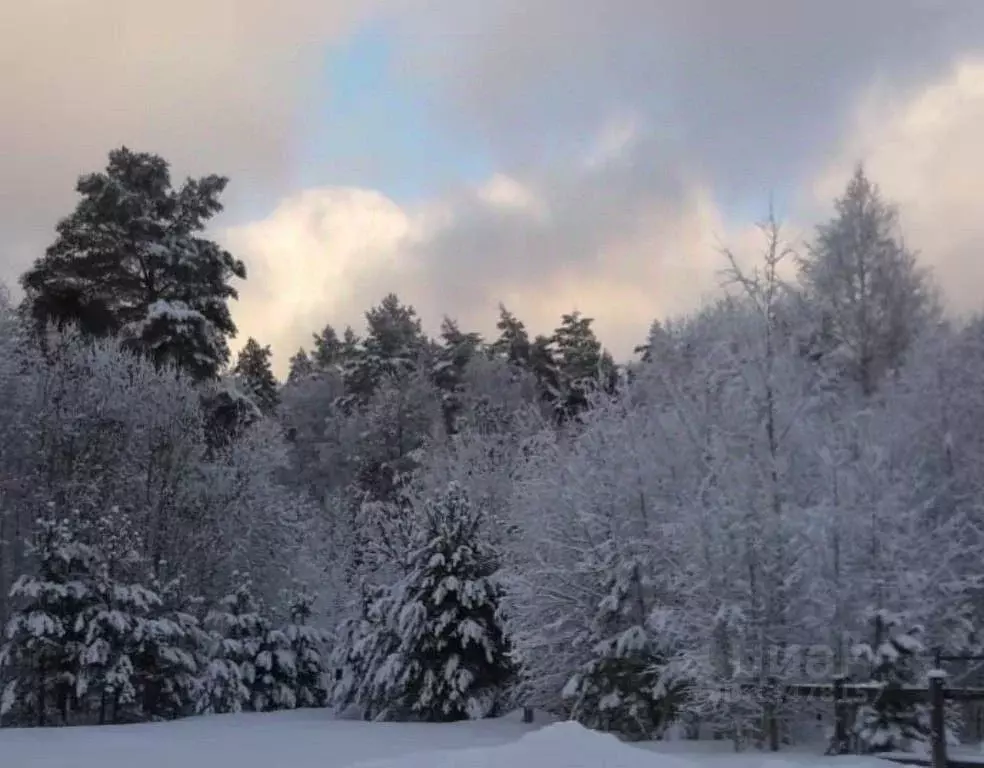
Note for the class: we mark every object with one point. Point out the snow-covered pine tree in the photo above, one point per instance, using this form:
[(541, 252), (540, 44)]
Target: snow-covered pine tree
[(237, 630), (131, 259), (632, 685), (453, 660), (39, 658), (307, 644), (891, 723), (168, 656)]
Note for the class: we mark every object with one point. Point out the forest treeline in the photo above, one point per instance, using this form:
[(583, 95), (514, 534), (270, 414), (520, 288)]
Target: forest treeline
[(443, 528)]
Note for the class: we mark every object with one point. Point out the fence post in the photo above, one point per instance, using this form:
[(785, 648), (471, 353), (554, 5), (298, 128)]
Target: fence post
[(937, 722), (840, 746), (772, 713), (527, 714)]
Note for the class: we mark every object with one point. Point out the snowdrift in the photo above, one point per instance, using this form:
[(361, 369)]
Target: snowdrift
[(562, 745)]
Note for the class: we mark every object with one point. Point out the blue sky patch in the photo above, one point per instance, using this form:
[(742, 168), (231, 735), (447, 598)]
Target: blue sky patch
[(370, 125)]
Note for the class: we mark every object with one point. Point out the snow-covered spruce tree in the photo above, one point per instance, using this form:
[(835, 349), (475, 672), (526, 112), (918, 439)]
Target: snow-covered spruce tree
[(43, 642), (891, 723), (307, 643), (453, 659), (633, 683), (276, 673), (113, 624), (362, 644), (236, 631), (131, 260), (168, 658)]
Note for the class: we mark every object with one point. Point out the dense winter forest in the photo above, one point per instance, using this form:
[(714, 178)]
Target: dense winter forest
[(785, 484)]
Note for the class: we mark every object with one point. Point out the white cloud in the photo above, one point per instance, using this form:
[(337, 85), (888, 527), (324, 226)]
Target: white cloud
[(317, 258), (504, 192)]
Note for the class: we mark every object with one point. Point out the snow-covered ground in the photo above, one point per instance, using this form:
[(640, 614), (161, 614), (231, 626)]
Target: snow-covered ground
[(310, 738)]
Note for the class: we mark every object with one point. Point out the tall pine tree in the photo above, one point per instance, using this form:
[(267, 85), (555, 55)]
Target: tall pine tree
[(131, 260)]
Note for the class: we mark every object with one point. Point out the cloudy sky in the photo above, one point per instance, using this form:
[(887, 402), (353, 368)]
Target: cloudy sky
[(550, 154)]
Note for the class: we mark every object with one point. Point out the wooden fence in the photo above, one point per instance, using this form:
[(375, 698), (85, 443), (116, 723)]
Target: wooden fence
[(847, 696)]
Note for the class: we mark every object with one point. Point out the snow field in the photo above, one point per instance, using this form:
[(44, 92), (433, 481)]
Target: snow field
[(312, 739)]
